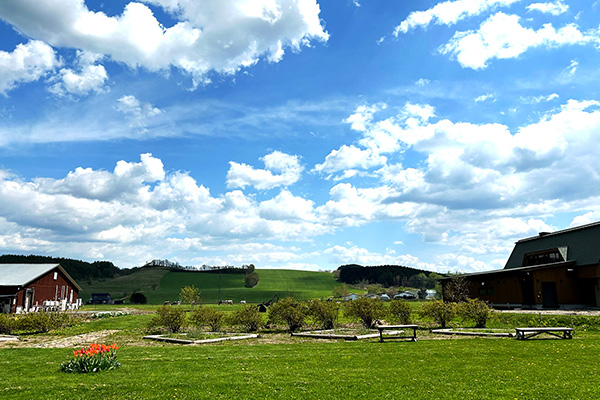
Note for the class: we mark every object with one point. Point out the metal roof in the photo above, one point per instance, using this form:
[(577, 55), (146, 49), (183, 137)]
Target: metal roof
[(582, 245), (22, 274)]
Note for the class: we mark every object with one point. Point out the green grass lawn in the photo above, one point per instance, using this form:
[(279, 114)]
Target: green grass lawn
[(428, 369)]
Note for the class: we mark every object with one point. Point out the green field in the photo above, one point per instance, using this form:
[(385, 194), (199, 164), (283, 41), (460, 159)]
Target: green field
[(428, 369), (160, 285)]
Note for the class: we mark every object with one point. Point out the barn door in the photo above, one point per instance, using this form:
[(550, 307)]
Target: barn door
[(549, 297), (527, 294), (28, 301)]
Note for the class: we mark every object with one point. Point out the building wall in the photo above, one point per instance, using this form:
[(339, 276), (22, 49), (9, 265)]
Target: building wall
[(577, 285), (52, 286), (501, 288)]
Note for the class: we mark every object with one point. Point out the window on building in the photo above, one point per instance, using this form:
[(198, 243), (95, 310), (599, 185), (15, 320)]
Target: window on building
[(542, 257)]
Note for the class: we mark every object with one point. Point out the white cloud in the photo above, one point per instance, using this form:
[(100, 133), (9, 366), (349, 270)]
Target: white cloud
[(349, 157), (26, 63), (286, 206), (221, 37), (281, 170), (89, 77), (92, 213), (357, 255), (556, 8), (485, 97), (449, 13), (502, 36), (540, 99), (139, 112), (572, 68), (477, 188)]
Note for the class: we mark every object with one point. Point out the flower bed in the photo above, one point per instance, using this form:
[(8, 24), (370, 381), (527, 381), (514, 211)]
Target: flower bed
[(96, 358)]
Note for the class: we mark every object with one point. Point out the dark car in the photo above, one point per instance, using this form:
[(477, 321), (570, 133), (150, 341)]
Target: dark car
[(100, 298)]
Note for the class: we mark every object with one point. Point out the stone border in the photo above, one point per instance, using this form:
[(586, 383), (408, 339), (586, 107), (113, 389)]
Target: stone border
[(326, 335), (162, 338), (8, 338), (450, 331)]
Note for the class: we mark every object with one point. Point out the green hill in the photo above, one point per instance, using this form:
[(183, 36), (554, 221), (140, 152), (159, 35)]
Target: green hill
[(159, 285)]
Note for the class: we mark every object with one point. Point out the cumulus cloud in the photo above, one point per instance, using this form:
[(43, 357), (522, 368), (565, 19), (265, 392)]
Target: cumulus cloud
[(556, 8), (349, 158), (221, 37), (346, 255), (95, 212), (502, 36), (281, 169), (89, 77), (449, 13), (477, 187), (26, 63)]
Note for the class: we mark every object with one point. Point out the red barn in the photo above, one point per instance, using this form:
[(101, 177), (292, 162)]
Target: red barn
[(30, 287)]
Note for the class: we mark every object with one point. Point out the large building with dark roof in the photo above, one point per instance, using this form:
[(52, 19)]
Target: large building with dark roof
[(551, 270)]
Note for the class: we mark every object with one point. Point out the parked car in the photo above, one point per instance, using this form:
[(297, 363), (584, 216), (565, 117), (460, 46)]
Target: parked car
[(385, 297), (408, 295), (100, 298)]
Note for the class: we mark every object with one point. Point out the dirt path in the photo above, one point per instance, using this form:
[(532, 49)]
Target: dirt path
[(66, 342)]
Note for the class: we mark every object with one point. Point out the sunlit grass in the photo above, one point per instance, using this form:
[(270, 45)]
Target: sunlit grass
[(449, 369)]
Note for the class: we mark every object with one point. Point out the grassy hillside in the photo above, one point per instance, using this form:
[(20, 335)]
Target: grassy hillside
[(143, 280), (160, 284)]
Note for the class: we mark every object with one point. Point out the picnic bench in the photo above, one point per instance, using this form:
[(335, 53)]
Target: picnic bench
[(559, 332), (382, 328)]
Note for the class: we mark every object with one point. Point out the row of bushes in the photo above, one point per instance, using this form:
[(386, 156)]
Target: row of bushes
[(323, 314), (38, 322), (174, 318)]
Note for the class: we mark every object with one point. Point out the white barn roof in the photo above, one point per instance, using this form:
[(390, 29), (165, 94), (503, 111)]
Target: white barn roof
[(22, 274)]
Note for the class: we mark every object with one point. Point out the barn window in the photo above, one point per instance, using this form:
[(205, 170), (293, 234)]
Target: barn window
[(543, 257), (55, 275)]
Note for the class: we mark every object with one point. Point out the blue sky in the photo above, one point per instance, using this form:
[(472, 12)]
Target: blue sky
[(296, 133)]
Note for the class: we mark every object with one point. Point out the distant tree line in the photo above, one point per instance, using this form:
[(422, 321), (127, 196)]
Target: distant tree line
[(222, 269), (387, 275), (79, 270)]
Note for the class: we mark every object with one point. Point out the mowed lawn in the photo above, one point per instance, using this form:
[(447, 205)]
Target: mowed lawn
[(300, 284), (479, 368)]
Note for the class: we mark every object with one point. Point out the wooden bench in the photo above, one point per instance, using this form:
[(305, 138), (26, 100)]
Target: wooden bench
[(382, 328), (559, 332)]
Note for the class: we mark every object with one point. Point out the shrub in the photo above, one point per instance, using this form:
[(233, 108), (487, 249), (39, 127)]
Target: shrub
[(341, 291), (138, 298), (6, 324), (170, 317), (96, 358), (39, 322), (456, 289), (368, 311), (190, 295), (439, 311), (400, 311), (476, 310), (324, 313), (251, 279), (289, 311), (207, 316), (248, 318)]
